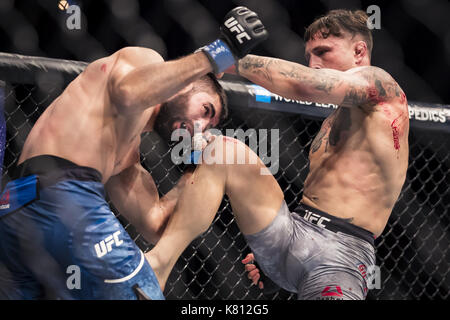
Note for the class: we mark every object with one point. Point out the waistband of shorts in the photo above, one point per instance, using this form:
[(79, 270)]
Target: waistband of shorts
[(52, 169), (333, 223)]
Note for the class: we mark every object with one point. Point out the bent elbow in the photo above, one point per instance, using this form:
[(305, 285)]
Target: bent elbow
[(153, 226), (122, 97)]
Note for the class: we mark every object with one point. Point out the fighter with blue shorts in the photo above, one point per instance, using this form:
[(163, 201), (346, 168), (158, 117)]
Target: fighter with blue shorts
[(59, 224), (58, 236), (55, 224)]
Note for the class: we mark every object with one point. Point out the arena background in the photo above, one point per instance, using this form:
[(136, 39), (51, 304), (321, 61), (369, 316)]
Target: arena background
[(413, 45)]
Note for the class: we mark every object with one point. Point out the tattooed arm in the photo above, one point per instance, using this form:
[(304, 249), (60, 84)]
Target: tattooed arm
[(357, 87)]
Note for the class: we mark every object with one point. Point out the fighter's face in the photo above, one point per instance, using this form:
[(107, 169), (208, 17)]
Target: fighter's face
[(185, 110), (331, 52), (203, 109)]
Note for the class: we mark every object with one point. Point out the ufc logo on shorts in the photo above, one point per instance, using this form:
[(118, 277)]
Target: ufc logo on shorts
[(315, 218), (105, 246), (234, 26)]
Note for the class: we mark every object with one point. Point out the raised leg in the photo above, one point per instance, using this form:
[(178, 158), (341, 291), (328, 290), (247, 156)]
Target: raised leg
[(229, 167)]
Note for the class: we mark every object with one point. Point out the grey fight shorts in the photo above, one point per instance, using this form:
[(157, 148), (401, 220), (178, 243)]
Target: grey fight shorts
[(315, 254)]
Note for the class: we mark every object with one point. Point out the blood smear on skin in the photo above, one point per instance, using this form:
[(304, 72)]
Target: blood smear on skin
[(395, 137), (395, 134), (374, 95), (403, 100)]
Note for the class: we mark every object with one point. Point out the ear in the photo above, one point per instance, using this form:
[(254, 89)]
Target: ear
[(359, 51)]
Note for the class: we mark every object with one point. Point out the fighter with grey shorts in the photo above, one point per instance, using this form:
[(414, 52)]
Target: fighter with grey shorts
[(315, 254)]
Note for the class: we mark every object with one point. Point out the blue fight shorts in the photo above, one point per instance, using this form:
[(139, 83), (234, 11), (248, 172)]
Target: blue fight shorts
[(60, 240)]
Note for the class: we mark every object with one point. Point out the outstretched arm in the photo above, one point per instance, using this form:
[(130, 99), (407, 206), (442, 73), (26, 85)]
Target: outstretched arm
[(140, 78), (358, 87)]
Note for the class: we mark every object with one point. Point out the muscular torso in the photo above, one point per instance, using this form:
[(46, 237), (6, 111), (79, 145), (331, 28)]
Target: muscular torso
[(82, 126), (358, 164)]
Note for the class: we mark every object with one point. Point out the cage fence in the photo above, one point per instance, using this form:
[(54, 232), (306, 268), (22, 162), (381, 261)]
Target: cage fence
[(412, 253)]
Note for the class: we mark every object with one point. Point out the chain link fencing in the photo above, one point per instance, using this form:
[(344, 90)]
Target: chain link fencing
[(412, 253)]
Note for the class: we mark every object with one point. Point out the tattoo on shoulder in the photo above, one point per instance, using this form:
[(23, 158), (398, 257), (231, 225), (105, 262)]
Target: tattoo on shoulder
[(354, 97), (381, 87)]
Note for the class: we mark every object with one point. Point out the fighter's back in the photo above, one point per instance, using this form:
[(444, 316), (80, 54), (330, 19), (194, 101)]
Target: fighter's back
[(83, 126)]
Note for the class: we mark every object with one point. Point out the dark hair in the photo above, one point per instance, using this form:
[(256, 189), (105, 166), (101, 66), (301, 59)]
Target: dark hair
[(336, 21), (173, 108), (210, 81)]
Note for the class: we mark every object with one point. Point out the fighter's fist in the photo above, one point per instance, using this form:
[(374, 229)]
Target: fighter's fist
[(240, 32), (253, 271), (259, 278), (199, 142)]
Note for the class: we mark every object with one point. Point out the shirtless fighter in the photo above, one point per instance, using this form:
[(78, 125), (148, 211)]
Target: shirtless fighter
[(58, 222), (358, 164)]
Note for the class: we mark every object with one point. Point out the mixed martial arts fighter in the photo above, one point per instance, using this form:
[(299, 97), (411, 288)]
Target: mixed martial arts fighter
[(358, 164), (58, 219)]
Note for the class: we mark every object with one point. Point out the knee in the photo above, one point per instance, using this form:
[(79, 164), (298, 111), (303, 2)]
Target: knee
[(225, 150)]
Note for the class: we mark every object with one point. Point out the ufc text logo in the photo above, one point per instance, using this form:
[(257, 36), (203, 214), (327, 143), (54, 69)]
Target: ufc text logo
[(105, 246), (234, 26), (315, 218)]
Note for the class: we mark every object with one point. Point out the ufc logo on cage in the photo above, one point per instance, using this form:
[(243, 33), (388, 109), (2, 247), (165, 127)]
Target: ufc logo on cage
[(105, 246), (234, 26)]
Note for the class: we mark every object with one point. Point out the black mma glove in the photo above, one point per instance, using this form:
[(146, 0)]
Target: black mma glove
[(241, 32)]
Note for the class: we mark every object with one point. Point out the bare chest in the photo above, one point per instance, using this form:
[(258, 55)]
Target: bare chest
[(355, 142), (127, 155), (128, 139), (333, 134)]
